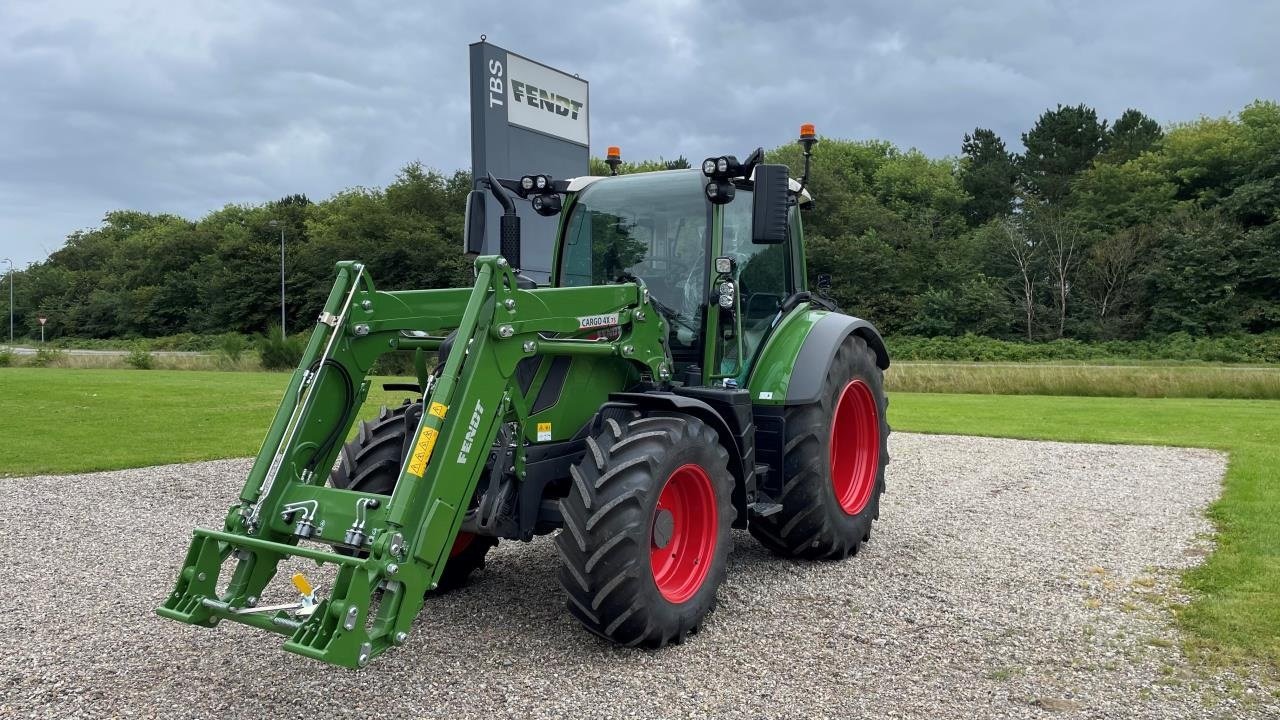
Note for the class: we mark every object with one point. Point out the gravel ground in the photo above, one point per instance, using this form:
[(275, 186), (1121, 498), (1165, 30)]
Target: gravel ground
[(1006, 579)]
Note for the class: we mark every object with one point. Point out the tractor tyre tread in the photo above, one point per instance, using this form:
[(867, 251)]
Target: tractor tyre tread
[(811, 524), (604, 546)]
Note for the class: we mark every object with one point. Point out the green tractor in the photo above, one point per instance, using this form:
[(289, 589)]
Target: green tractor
[(674, 380)]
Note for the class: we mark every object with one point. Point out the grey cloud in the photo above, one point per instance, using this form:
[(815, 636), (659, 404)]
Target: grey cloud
[(181, 108)]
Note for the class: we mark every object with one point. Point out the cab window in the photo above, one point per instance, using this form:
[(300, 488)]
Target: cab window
[(652, 226)]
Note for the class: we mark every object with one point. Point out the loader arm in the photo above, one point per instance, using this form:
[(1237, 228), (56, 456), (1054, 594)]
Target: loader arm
[(394, 548)]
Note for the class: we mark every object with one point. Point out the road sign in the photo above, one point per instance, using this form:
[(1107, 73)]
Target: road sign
[(42, 319)]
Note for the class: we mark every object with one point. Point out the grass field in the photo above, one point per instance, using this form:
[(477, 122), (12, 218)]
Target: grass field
[(1258, 382), (1124, 378), (65, 421)]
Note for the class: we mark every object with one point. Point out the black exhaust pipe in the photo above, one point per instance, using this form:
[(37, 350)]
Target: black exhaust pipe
[(508, 224)]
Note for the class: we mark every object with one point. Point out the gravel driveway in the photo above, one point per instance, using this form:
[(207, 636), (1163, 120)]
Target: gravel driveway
[(1005, 579)]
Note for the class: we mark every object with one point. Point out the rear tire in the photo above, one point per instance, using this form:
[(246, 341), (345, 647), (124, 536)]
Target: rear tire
[(646, 529), (371, 463), (833, 468)]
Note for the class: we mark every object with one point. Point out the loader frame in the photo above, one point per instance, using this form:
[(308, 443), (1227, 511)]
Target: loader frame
[(396, 546)]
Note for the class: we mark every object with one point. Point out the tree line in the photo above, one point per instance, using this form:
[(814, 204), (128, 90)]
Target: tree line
[(1098, 230)]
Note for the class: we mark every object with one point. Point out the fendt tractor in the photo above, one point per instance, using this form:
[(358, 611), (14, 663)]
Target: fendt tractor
[(675, 379)]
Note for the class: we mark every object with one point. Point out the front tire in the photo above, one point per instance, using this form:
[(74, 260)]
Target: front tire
[(371, 463), (646, 529), (834, 462)]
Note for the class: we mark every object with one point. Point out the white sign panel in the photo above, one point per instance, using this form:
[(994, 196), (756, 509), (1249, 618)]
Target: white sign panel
[(546, 100)]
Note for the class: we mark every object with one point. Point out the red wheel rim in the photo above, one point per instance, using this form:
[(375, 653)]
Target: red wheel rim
[(683, 537), (855, 447), (460, 543)]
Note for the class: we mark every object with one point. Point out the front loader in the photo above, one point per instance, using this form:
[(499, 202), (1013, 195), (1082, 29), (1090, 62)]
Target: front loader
[(674, 380)]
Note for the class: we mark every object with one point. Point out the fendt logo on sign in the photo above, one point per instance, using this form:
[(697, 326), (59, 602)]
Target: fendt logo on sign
[(546, 100)]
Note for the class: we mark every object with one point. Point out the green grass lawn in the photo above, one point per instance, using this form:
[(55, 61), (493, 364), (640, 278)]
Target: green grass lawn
[(66, 421)]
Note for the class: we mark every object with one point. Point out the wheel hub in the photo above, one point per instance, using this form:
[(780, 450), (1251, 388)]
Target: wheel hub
[(664, 525)]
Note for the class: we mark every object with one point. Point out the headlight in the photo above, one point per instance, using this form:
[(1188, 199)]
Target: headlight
[(526, 183), (722, 165), (709, 167), (541, 182)]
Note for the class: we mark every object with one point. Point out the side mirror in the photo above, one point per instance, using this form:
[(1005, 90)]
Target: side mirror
[(473, 224), (770, 205)]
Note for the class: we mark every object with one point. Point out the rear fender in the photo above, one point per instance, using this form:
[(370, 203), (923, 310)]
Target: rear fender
[(794, 362)]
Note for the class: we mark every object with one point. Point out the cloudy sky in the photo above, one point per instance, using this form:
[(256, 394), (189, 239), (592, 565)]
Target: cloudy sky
[(184, 107)]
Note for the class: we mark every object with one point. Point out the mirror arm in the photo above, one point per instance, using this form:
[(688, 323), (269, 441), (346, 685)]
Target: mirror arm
[(804, 179)]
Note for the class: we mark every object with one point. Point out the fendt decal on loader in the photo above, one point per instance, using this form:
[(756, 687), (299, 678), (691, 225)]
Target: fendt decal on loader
[(674, 380)]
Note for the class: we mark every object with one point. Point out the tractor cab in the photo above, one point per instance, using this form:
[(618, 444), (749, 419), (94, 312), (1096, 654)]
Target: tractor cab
[(690, 237)]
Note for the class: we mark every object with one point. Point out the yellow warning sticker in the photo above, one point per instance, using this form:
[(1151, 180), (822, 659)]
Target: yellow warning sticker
[(544, 432), (422, 451), (438, 410)]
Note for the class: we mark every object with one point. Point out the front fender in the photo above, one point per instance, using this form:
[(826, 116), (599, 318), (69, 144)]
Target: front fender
[(794, 362)]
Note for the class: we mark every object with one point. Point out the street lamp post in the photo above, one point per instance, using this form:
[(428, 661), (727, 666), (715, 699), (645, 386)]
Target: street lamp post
[(10, 299), (277, 223)]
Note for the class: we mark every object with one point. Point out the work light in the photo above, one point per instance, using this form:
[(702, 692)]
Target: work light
[(709, 167), (530, 183), (724, 266), (719, 191), (726, 295), (546, 205)]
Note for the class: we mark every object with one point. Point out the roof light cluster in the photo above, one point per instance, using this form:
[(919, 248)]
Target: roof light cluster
[(534, 183), (721, 168)]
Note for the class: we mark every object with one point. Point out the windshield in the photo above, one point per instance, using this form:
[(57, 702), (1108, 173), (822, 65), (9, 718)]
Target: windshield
[(652, 226)]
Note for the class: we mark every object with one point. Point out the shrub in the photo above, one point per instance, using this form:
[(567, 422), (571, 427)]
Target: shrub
[(231, 348), (279, 351), (139, 359), (45, 357), (6, 358)]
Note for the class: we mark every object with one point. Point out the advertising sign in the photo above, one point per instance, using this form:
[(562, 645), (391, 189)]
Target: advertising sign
[(526, 119)]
